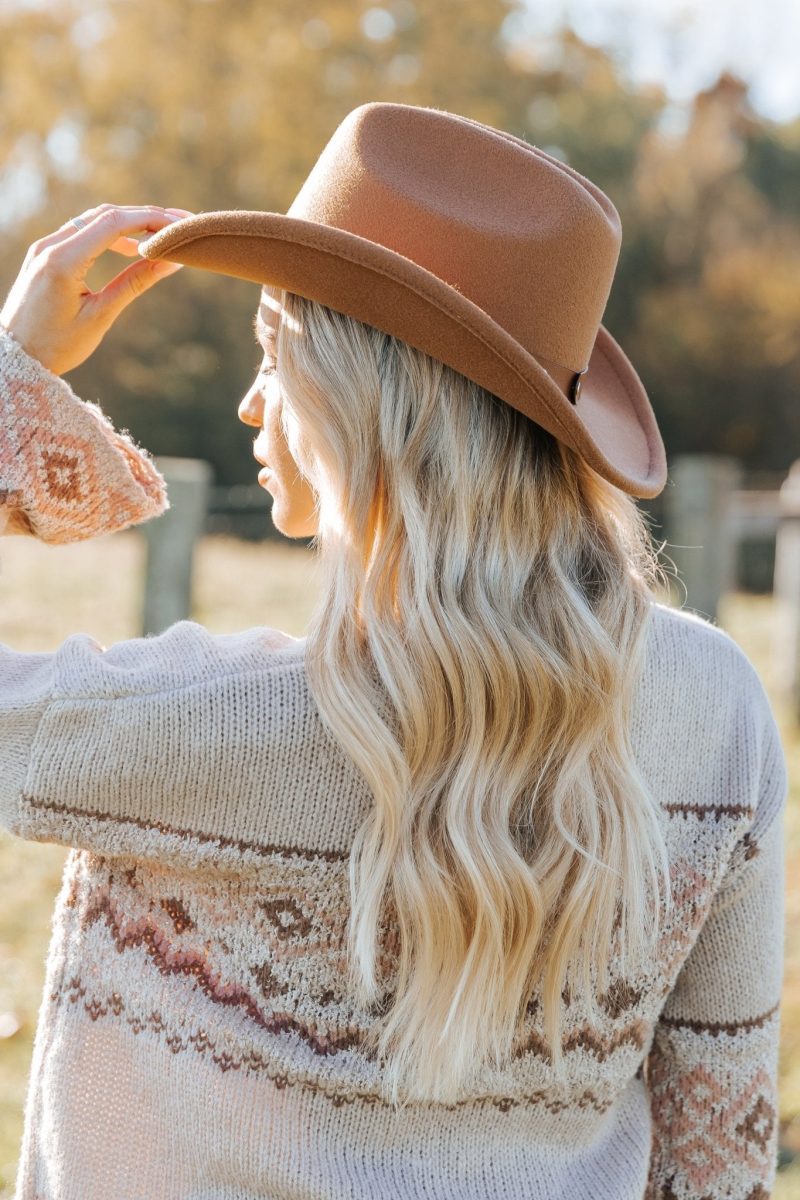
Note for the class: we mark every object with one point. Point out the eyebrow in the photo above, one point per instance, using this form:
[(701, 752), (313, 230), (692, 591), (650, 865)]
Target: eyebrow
[(263, 333), (258, 327)]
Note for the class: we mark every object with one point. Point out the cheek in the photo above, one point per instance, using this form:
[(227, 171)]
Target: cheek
[(287, 453), (294, 439), (271, 421), (288, 435), (270, 417)]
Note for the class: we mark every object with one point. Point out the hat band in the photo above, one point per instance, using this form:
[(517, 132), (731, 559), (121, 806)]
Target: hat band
[(565, 378), (575, 387)]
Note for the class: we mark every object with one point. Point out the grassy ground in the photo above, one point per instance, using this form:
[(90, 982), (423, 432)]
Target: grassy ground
[(51, 592)]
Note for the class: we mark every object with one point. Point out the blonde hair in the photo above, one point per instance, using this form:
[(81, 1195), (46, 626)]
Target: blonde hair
[(475, 652)]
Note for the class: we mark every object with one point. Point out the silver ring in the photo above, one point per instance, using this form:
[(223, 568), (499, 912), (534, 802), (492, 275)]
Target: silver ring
[(77, 222)]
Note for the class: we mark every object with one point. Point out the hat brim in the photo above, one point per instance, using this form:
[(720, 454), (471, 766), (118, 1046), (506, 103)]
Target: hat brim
[(612, 427)]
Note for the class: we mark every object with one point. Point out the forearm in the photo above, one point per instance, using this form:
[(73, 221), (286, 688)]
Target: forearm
[(65, 473)]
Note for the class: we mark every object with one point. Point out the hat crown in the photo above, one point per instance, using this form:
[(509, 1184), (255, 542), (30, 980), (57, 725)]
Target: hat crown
[(470, 245), (514, 230)]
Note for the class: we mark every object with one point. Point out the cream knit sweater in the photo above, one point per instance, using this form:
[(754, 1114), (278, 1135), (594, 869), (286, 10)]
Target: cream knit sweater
[(195, 1040)]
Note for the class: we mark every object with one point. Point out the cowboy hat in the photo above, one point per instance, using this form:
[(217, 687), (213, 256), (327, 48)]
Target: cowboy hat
[(469, 244)]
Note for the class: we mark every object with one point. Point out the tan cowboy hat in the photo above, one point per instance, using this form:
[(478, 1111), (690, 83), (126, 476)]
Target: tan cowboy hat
[(469, 244)]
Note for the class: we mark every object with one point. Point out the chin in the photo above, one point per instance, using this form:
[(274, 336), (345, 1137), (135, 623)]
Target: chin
[(281, 525), (288, 527)]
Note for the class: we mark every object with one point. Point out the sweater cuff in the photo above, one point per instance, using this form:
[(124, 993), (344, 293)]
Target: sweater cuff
[(63, 466)]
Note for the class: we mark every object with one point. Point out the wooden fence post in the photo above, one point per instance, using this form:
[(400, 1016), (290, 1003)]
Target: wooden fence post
[(786, 589), (697, 506), (170, 542)]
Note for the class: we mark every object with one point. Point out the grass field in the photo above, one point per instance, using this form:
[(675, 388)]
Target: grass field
[(51, 592)]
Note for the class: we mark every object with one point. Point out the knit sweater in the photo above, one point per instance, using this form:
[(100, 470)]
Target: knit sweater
[(196, 1040)]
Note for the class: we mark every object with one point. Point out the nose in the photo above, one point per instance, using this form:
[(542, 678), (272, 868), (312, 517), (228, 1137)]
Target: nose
[(251, 409)]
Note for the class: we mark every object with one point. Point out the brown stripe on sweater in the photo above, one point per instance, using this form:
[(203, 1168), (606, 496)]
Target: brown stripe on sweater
[(715, 810), (74, 992), (715, 1028), (189, 834), (620, 997), (750, 847), (189, 963), (232, 995), (585, 1038), (667, 1193), (177, 911), (635, 1034)]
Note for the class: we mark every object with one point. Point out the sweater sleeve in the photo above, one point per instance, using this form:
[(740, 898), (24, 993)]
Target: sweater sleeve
[(65, 473), (713, 1065), (155, 746), (151, 746)]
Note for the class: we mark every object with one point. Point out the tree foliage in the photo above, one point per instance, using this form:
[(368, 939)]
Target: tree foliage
[(210, 105)]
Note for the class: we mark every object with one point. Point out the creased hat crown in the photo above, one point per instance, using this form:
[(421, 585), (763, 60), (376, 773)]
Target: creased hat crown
[(525, 238)]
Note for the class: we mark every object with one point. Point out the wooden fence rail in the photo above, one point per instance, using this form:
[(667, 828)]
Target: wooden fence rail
[(706, 515)]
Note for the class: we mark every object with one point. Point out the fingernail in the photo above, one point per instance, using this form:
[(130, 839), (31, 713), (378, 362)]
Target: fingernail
[(178, 213)]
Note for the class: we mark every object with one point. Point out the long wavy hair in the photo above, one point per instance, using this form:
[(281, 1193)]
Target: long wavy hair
[(485, 602)]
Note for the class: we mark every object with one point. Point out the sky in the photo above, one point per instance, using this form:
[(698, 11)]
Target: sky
[(681, 44), (685, 44)]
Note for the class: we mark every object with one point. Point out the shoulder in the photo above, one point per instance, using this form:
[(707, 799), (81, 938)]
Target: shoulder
[(185, 655), (689, 651), (706, 704)]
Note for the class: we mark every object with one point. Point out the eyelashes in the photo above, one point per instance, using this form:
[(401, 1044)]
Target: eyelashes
[(269, 369)]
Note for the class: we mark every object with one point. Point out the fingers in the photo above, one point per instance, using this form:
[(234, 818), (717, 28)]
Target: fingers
[(107, 228), (68, 229), (84, 246)]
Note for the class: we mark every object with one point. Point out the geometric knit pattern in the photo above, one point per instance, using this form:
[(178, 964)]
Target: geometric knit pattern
[(62, 463), (196, 1038)]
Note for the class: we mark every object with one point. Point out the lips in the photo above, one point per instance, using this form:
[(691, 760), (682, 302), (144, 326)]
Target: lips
[(266, 471), (258, 459)]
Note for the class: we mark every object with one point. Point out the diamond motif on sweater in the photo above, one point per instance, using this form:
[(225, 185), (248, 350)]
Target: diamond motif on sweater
[(63, 475)]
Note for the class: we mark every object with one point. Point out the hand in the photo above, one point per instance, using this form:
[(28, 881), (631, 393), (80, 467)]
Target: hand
[(50, 310)]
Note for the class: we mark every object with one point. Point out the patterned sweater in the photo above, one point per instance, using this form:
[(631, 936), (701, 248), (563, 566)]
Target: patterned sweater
[(195, 1038)]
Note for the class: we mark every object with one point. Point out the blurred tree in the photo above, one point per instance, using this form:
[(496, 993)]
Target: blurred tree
[(209, 105), (716, 331)]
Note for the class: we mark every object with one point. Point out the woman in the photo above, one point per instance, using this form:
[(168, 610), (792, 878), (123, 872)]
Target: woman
[(475, 891)]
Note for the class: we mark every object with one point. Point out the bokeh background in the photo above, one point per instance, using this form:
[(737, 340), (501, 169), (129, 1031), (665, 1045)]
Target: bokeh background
[(686, 113), (213, 104)]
